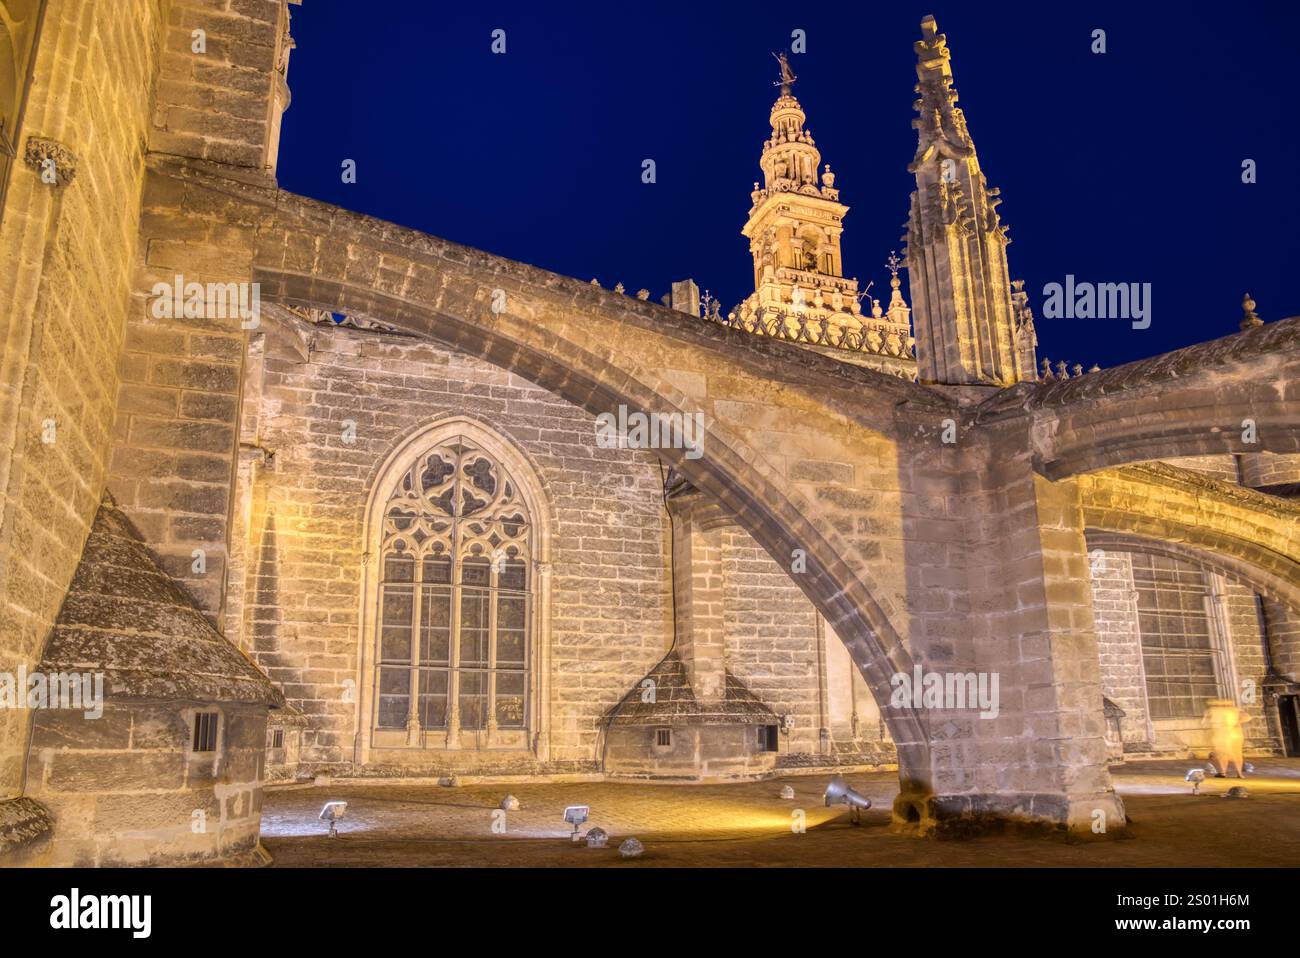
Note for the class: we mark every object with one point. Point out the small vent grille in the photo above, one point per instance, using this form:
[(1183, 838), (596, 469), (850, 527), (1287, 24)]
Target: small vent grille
[(205, 732)]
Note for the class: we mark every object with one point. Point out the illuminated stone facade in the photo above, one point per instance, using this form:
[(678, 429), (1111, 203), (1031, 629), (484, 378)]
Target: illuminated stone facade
[(840, 526)]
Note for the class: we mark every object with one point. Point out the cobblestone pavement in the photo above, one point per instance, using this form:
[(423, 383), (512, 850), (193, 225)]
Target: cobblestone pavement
[(748, 824)]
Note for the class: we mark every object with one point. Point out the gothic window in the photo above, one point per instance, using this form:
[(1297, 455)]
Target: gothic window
[(1180, 652), (455, 597)]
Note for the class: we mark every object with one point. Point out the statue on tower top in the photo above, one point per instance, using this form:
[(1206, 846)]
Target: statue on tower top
[(787, 75)]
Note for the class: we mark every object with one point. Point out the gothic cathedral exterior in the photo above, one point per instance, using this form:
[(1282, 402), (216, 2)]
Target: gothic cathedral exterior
[(331, 545)]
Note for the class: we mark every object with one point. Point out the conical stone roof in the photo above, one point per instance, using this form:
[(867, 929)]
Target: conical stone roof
[(123, 616), (674, 702)]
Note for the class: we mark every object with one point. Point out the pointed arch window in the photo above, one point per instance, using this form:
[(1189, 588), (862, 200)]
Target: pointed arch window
[(455, 599)]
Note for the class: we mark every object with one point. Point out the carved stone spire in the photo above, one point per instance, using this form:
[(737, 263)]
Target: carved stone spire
[(940, 120), (968, 329)]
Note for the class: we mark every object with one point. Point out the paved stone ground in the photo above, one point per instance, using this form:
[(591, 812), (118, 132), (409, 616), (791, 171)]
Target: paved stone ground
[(749, 825)]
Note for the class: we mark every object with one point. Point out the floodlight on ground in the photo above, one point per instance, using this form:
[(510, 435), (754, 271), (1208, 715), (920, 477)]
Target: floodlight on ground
[(577, 815), (838, 792), (331, 813), (1195, 776)]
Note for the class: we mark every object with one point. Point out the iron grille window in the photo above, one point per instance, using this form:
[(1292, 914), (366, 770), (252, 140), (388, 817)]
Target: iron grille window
[(1179, 652), (664, 737), (455, 596), (205, 731), (277, 738)]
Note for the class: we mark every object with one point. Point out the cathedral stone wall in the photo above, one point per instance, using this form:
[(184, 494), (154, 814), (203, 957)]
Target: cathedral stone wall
[(1114, 604), (67, 253), (772, 638), (1283, 624), (297, 582), (1263, 470), (611, 611), (220, 88), (779, 647)]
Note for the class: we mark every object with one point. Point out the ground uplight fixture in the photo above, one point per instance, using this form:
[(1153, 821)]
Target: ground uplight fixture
[(838, 792), (331, 813), (1195, 776), (576, 815)]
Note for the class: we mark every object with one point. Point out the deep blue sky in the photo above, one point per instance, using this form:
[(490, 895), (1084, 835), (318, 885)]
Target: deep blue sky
[(1123, 167)]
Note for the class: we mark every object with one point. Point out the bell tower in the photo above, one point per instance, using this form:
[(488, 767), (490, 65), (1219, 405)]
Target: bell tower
[(970, 328), (794, 230)]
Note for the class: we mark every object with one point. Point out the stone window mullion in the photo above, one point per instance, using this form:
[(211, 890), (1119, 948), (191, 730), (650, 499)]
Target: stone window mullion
[(493, 598), (414, 733), (1216, 610), (453, 677)]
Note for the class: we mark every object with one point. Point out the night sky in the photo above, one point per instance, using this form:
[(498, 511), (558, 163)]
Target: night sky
[(1122, 167)]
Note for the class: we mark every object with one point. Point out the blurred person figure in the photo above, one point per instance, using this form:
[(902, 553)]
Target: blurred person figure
[(1226, 737)]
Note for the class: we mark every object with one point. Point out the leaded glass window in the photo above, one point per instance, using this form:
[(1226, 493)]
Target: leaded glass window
[(455, 597), (1179, 649)]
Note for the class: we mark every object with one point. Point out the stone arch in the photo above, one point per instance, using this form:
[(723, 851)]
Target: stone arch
[(1191, 402), (1253, 536), (404, 452), (598, 351)]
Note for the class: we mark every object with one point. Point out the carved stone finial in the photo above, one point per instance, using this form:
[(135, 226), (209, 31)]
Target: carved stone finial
[(1094, 368), (53, 162), (643, 294), (618, 287), (1249, 320), (1076, 369)]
